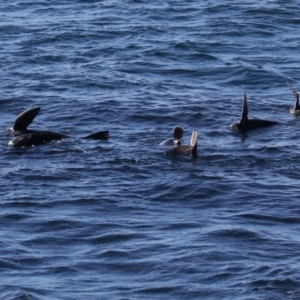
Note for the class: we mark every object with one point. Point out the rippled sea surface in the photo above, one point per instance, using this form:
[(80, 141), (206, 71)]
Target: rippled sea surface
[(123, 219)]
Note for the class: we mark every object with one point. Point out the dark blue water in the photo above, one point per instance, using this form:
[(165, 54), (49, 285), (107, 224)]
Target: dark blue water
[(121, 219)]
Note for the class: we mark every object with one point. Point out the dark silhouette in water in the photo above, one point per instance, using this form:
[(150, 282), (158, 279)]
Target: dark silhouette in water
[(175, 143), (28, 137), (246, 124)]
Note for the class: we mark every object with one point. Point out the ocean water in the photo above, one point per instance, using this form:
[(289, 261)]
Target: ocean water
[(123, 219)]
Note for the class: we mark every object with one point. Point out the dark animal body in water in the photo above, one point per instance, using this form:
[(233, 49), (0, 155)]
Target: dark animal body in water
[(27, 137), (296, 108), (246, 124), (175, 143)]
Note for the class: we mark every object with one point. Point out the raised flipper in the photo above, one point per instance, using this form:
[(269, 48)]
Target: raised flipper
[(25, 118), (296, 107), (193, 143), (100, 135)]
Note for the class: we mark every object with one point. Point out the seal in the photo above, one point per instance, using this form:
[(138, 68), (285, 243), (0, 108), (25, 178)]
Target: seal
[(296, 108), (177, 135), (175, 143), (29, 137), (246, 124)]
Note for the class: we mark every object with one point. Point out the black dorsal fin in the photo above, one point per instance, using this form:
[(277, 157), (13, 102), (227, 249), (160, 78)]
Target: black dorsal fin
[(295, 95), (25, 118), (244, 110)]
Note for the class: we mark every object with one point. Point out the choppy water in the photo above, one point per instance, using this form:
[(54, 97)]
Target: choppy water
[(120, 219)]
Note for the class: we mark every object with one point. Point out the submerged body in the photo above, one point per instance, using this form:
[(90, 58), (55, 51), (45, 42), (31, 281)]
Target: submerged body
[(246, 124), (252, 124), (28, 138), (36, 138)]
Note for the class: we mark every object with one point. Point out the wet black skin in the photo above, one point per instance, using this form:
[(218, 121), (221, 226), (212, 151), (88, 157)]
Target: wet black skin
[(247, 124), (27, 137)]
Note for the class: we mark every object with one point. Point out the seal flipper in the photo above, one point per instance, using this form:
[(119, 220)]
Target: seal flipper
[(99, 135), (193, 143), (25, 118), (296, 95)]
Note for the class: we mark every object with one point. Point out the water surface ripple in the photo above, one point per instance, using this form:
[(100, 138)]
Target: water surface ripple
[(122, 219)]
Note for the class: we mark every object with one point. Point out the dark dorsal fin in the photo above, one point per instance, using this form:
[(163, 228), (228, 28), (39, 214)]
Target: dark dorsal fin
[(295, 95), (244, 117), (25, 118)]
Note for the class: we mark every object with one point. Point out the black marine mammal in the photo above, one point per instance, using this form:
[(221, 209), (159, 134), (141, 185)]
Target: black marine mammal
[(29, 137), (246, 124), (296, 108), (175, 143)]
